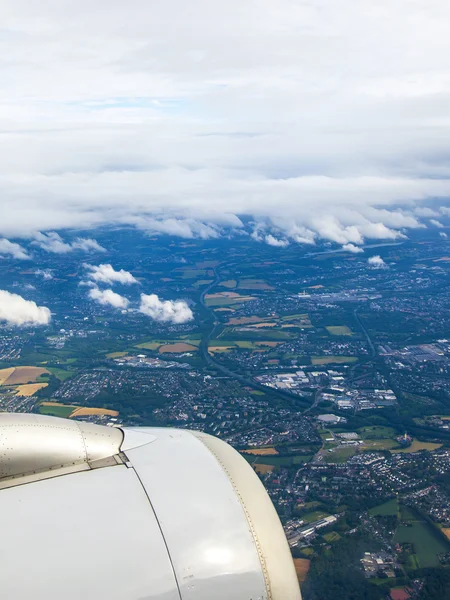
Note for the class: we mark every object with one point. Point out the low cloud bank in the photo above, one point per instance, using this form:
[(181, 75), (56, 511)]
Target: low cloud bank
[(352, 248), (107, 274), (13, 249), (53, 242), (108, 298), (166, 311), (273, 241), (15, 310)]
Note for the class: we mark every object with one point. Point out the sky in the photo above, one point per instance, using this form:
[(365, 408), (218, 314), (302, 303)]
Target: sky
[(322, 120)]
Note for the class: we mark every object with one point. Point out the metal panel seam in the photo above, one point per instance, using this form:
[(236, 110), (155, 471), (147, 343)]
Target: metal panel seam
[(162, 532), (248, 517), (84, 444)]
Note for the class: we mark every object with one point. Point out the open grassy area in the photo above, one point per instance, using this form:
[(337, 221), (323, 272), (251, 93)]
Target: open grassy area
[(387, 508), (340, 455), (278, 461), (56, 410), (149, 345), (61, 374), (416, 446), (332, 536), (427, 542), (380, 444), (339, 330), (315, 516), (376, 432), (328, 360), (116, 354)]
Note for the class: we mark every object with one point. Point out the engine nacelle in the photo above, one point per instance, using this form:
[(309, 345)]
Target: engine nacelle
[(95, 512)]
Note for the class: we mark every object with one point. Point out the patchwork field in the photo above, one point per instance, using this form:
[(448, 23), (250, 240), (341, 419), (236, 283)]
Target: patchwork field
[(225, 299), (328, 360), (262, 451), (177, 348), (5, 373), (85, 412), (29, 389), (339, 330), (254, 284), (58, 409), (18, 375)]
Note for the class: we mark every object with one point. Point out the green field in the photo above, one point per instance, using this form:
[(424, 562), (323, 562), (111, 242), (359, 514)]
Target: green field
[(61, 374), (278, 461), (340, 455), (224, 301), (149, 345), (113, 355), (332, 537), (57, 411), (427, 542), (327, 360), (376, 432), (417, 446), (339, 330), (388, 508), (314, 516)]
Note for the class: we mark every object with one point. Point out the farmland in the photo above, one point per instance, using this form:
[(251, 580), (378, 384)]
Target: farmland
[(339, 330), (417, 446), (18, 375), (262, 452), (58, 409), (329, 360), (427, 542), (29, 389), (301, 568)]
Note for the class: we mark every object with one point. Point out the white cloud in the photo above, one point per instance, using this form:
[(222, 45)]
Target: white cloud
[(167, 311), (46, 274), (352, 248), (376, 261), (107, 274), (436, 223), (13, 249), (87, 244), (443, 235), (108, 297), (273, 241), (53, 242), (15, 310), (180, 128)]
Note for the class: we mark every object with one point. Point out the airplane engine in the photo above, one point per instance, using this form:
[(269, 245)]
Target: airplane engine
[(92, 512)]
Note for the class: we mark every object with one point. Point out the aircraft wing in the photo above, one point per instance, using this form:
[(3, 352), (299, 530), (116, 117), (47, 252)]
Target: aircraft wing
[(90, 512)]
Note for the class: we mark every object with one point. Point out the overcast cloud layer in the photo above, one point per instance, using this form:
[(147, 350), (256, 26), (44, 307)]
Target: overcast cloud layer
[(314, 116)]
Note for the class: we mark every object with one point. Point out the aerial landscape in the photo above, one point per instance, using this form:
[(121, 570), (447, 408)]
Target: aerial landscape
[(233, 218), (320, 365)]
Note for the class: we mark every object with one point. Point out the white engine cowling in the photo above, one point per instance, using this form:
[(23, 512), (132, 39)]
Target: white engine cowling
[(95, 512)]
